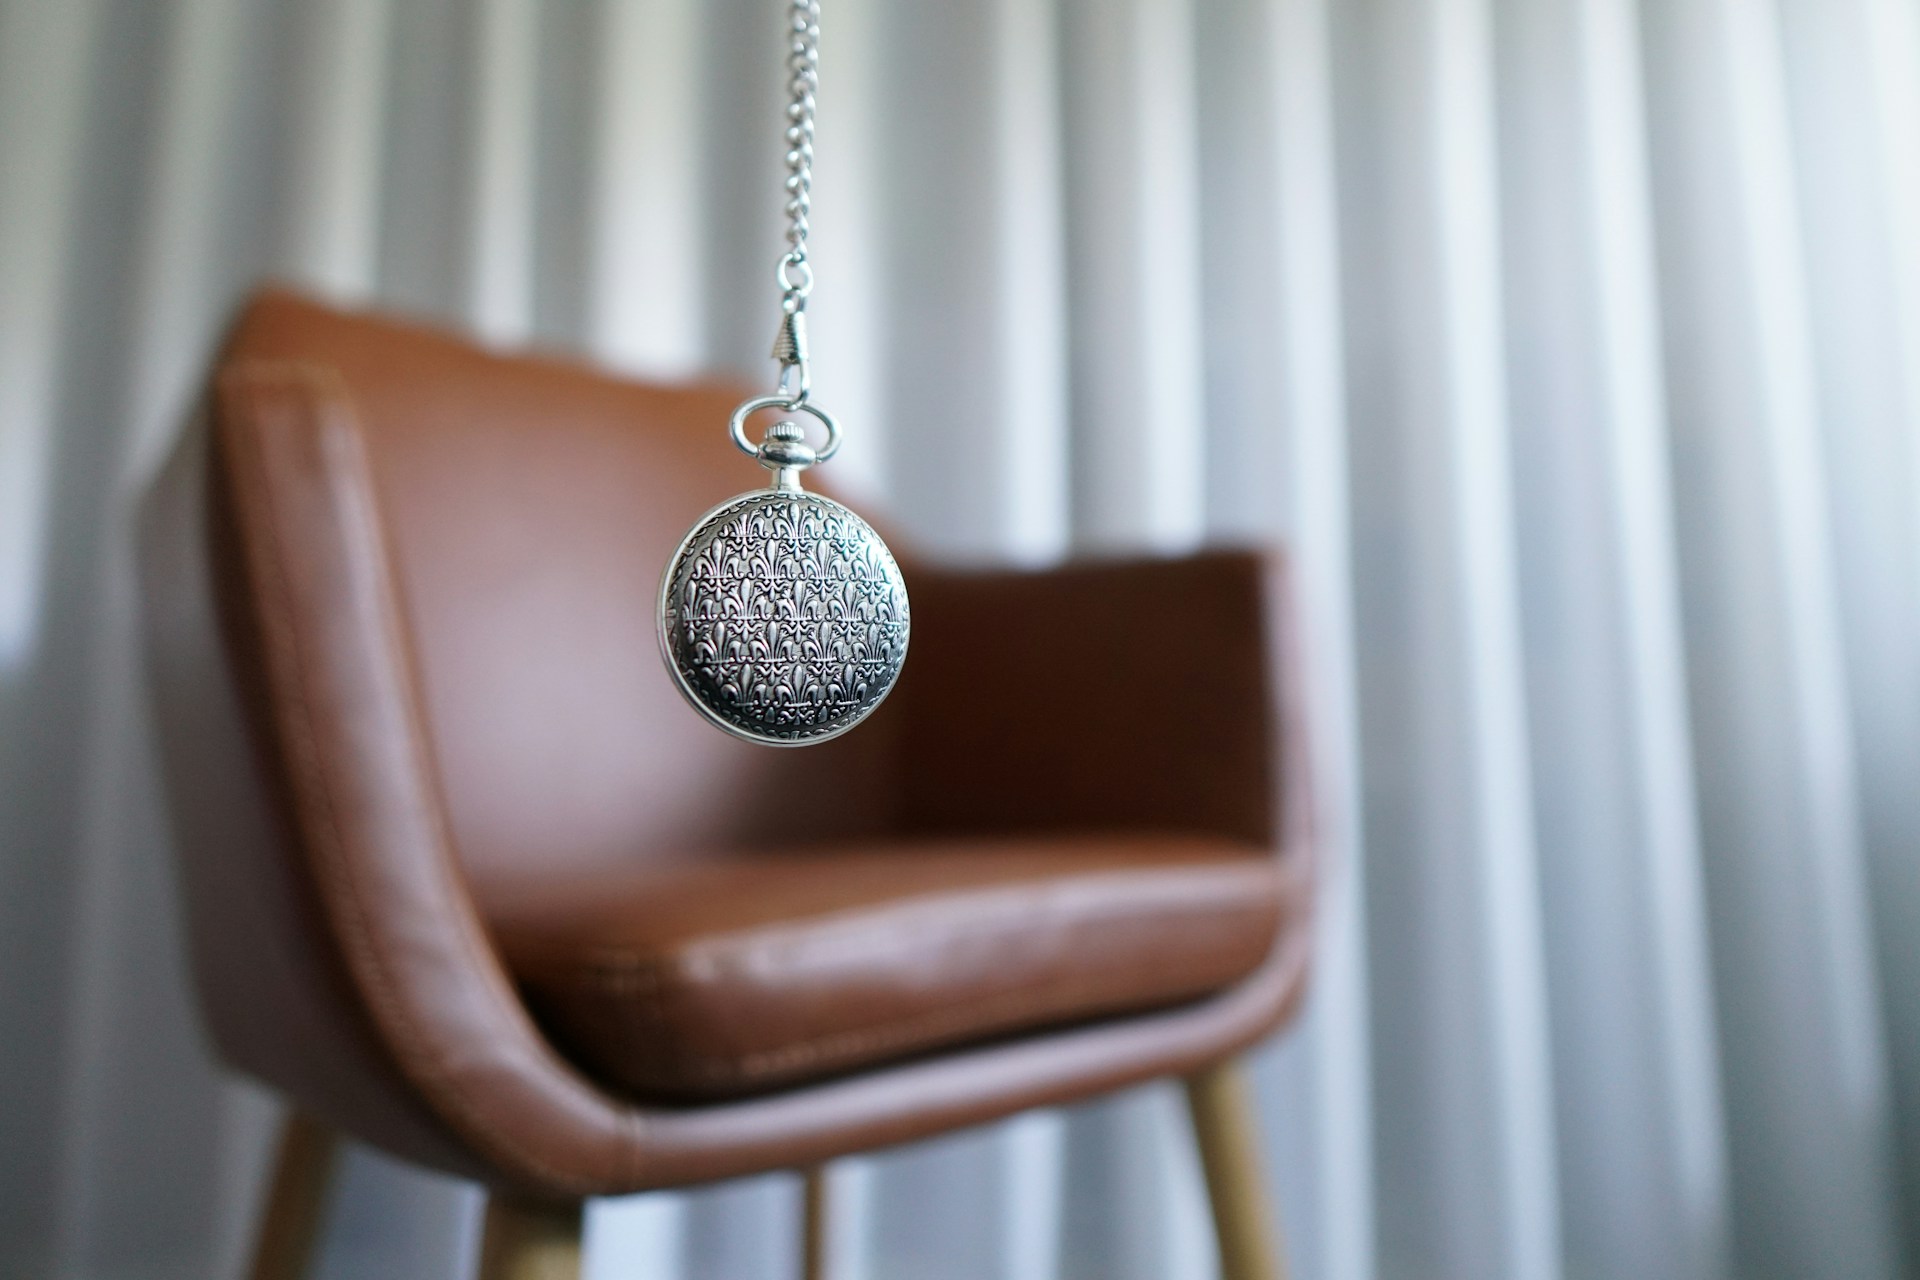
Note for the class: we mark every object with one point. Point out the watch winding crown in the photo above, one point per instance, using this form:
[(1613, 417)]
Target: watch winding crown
[(785, 452)]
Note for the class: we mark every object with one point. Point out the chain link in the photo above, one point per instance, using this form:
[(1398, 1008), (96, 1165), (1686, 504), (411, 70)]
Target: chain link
[(795, 273)]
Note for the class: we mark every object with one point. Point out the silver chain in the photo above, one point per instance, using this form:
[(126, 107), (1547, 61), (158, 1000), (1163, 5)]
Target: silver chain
[(795, 272), (803, 61)]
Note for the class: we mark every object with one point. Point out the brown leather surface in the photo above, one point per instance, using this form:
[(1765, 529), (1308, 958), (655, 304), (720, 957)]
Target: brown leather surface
[(1125, 696), (721, 977), (433, 692), (274, 997), (529, 508)]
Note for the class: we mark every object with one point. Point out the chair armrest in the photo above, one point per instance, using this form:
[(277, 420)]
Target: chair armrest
[(312, 591), (1136, 695)]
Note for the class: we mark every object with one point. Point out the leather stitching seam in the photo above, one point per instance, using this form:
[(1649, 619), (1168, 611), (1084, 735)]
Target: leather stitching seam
[(315, 781)]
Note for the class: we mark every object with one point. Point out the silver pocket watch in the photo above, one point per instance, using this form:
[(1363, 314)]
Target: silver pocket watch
[(783, 617)]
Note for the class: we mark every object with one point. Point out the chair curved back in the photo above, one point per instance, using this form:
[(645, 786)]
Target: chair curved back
[(530, 508)]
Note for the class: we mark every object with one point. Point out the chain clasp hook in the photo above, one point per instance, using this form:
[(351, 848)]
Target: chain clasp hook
[(790, 349)]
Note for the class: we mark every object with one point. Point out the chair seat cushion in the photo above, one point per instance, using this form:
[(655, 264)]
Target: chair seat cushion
[(720, 977)]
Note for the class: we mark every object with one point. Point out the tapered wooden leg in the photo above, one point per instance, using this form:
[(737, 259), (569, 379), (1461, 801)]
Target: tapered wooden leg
[(526, 1241), (297, 1200), (1227, 1130), (813, 1225)]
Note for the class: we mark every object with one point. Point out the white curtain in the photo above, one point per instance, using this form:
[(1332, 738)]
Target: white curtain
[(1574, 345)]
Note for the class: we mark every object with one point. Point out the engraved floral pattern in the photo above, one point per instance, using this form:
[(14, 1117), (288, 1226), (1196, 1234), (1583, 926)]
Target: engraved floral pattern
[(786, 616)]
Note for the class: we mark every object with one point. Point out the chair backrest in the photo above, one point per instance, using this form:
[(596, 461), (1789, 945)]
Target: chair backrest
[(530, 507)]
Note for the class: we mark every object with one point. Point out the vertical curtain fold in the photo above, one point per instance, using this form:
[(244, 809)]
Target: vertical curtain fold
[(1804, 1070), (1635, 1072), (1277, 465), (1464, 1118), (1852, 83), (1132, 216)]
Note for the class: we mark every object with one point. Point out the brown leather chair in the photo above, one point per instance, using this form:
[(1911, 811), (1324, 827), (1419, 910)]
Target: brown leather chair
[(468, 881)]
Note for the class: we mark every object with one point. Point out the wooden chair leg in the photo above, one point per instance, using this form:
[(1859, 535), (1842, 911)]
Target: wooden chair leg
[(1227, 1129), (526, 1241), (813, 1225), (297, 1200)]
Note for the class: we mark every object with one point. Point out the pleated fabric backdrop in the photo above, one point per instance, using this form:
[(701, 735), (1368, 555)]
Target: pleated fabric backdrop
[(1574, 345)]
